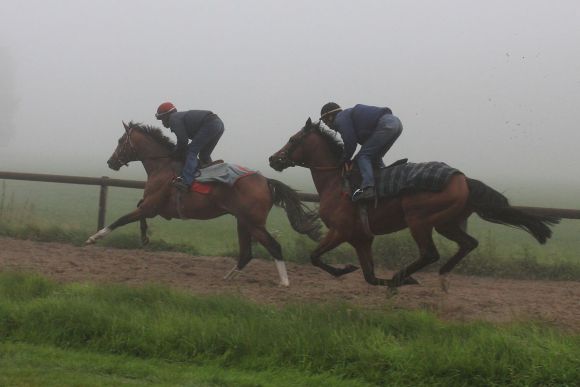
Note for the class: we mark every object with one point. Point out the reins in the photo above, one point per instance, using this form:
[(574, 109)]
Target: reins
[(319, 168)]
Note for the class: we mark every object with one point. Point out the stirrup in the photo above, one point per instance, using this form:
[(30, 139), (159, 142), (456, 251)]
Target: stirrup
[(367, 193), (179, 184)]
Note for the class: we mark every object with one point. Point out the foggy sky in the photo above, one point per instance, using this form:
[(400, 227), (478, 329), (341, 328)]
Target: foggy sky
[(7, 98), (490, 87)]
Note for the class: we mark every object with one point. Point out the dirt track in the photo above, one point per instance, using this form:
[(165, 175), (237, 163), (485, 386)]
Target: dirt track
[(469, 298)]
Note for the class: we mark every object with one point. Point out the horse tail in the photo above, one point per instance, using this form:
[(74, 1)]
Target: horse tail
[(302, 219), (494, 207)]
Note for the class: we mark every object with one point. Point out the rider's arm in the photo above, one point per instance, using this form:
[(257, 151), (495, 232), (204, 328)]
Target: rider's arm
[(178, 127), (345, 127)]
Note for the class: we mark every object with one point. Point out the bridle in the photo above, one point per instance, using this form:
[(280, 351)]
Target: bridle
[(294, 142), (128, 143), (121, 150)]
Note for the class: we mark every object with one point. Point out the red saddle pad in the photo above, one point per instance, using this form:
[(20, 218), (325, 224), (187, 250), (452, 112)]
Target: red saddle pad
[(202, 188)]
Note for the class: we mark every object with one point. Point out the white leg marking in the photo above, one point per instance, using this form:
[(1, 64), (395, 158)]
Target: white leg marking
[(99, 235), (232, 273), (281, 266)]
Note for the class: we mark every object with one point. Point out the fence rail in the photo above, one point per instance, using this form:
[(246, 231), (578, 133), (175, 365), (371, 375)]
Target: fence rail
[(104, 182)]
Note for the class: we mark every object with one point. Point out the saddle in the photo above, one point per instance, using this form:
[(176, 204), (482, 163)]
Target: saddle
[(353, 179), (221, 173), (352, 182), (202, 166)]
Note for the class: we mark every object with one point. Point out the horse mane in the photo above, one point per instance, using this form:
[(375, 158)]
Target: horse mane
[(331, 138), (155, 133)]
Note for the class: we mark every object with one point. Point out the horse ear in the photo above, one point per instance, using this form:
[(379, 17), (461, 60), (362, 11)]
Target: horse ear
[(308, 123), (125, 126)]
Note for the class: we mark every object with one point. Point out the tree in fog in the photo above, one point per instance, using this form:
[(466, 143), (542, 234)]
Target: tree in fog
[(7, 97)]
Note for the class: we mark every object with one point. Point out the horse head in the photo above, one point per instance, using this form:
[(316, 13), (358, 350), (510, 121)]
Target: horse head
[(293, 153), (125, 151), (311, 147)]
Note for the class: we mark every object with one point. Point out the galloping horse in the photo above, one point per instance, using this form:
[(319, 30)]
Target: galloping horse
[(249, 200), (446, 211)]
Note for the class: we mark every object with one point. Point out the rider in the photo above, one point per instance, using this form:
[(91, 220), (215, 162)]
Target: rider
[(202, 127), (375, 128)]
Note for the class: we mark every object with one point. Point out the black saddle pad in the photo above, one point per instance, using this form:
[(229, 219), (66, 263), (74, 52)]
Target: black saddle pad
[(405, 177), (355, 178)]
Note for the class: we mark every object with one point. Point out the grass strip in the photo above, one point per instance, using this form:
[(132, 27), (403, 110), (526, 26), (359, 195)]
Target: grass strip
[(375, 347)]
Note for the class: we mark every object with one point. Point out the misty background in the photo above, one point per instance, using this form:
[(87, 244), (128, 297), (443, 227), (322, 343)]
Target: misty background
[(492, 88)]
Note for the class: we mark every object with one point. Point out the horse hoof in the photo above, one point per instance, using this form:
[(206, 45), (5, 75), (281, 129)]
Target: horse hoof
[(411, 281), (90, 241), (232, 273), (444, 282), (145, 241), (350, 268), (392, 291)]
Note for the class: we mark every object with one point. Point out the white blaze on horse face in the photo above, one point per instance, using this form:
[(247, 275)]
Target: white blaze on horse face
[(99, 235), (281, 266)]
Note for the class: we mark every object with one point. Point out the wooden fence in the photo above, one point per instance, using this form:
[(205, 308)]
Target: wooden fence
[(105, 182)]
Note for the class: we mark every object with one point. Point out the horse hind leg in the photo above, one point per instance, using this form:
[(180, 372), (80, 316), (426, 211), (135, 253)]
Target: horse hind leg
[(428, 254), (274, 248), (456, 233), (246, 255)]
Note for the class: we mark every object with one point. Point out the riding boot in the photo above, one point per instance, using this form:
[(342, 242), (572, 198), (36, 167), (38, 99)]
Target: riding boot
[(180, 184)]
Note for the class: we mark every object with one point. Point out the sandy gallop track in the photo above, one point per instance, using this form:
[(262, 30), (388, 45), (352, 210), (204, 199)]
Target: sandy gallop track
[(470, 298)]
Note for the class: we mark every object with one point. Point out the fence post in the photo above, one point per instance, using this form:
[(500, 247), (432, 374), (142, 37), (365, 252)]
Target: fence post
[(103, 203)]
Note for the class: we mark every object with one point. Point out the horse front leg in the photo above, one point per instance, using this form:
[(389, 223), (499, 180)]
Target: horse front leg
[(143, 226), (364, 252), (123, 220), (331, 240)]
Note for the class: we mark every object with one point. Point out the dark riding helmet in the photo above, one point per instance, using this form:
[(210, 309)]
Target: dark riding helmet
[(164, 109), (329, 108)]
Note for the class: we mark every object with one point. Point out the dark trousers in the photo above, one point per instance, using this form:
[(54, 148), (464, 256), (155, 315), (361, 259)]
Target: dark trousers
[(201, 147)]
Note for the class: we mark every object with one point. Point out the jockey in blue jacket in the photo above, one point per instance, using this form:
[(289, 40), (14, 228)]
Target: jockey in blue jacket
[(202, 127), (375, 128)]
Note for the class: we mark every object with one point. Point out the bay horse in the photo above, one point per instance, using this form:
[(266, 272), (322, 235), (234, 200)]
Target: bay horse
[(249, 200), (317, 149)]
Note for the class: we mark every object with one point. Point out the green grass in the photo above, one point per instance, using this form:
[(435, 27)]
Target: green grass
[(41, 365), (144, 328), (68, 213)]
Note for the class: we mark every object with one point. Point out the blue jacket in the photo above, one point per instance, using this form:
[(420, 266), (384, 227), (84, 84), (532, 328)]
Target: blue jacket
[(186, 124), (356, 125)]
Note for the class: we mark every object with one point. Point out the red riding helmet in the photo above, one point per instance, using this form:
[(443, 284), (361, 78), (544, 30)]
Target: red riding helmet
[(164, 109)]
